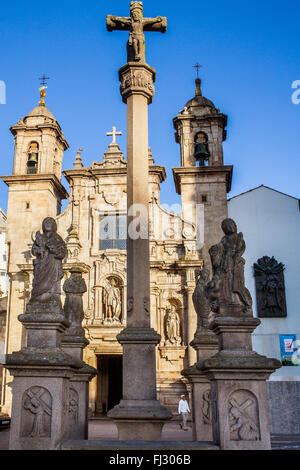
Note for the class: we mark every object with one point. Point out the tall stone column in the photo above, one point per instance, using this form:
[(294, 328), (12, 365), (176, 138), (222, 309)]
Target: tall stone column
[(139, 416)]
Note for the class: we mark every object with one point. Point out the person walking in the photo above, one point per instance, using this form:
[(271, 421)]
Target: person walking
[(183, 410)]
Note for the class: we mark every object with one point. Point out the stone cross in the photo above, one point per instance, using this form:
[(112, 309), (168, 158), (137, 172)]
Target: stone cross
[(114, 133), (136, 25), (139, 415)]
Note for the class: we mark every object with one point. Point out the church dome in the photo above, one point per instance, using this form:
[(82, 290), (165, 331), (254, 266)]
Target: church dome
[(41, 111), (199, 101)]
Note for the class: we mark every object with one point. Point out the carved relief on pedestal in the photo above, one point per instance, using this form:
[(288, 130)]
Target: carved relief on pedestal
[(36, 413), (270, 289), (73, 406), (138, 79), (243, 416), (206, 407)]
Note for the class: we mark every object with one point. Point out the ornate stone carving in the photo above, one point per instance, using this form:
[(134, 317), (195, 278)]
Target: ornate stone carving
[(147, 305), (36, 413), (206, 407), (200, 300), (172, 327), (243, 416), (49, 250), (73, 406), (139, 79), (74, 288), (130, 302), (270, 290), (227, 287), (112, 302)]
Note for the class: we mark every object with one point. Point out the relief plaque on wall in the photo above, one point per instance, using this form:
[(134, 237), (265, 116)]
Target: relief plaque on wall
[(270, 288)]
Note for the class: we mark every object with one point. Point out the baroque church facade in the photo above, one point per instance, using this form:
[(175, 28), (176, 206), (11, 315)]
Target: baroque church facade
[(94, 228)]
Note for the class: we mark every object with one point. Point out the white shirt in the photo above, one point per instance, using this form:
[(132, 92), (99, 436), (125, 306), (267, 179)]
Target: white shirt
[(183, 407)]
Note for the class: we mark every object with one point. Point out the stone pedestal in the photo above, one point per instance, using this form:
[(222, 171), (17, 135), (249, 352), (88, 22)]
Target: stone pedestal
[(79, 387), (238, 385), (206, 344), (40, 388), (73, 343)]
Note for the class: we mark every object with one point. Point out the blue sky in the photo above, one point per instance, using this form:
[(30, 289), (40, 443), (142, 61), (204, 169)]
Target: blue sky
[(251, 56)]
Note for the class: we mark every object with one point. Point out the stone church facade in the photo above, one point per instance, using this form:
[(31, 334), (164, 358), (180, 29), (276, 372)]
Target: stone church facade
[(94, 228)]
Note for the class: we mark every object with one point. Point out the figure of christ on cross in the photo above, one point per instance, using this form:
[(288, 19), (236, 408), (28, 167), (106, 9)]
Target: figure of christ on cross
[(136, 24)]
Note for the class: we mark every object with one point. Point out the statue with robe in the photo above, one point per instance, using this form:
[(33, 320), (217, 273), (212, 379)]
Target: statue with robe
[(74, 287), (200, 300), (112, 302), (227, 287), (49, 250), (173, 327)]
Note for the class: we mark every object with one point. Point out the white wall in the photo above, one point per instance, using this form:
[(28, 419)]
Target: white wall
[(270, 222)]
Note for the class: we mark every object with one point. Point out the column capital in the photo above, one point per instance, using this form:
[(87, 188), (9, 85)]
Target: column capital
[(137, 79)]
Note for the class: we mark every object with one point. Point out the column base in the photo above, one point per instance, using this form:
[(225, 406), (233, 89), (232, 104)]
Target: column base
[(140, 420)]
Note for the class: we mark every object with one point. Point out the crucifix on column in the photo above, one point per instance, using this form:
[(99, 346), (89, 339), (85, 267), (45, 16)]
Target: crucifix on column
[(139, 415), (136, 25)]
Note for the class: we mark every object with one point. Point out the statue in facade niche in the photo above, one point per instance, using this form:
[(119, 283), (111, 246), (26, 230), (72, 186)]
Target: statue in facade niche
[(112, 302), (227, 287), (173, 327), (200, 300), (49, 250), (74, 287)]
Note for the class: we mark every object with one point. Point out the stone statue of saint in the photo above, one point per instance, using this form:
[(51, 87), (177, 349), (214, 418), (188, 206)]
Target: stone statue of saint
[(227, 287), (49, 250), (200, 300), (112, 302), (74, 288), (173, 327), (136, 25)]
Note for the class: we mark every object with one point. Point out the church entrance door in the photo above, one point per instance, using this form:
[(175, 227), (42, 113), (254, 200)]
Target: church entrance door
[(109, 386)]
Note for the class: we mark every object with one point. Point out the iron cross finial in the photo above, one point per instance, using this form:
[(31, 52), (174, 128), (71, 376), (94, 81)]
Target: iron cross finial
[(197, 66)]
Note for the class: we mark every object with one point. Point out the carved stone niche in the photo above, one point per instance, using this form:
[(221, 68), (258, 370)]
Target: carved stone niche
[(36, 413), (270, 288), (243, 416)]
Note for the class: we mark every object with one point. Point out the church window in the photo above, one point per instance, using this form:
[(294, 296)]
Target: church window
[(113, 232), (33, 158)]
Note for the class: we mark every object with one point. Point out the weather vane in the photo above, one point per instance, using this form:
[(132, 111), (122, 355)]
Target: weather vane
[(42, 89), (197, 66)]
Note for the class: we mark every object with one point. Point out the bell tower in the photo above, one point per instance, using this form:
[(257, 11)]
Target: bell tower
[(35, 192), (202, 180)]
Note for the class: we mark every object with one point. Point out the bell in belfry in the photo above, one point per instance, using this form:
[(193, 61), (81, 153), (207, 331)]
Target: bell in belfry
[(201, 149), (33, 156)]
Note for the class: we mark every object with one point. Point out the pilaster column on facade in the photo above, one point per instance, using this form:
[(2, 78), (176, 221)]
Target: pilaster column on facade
[(191, 318), (139, 416)]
